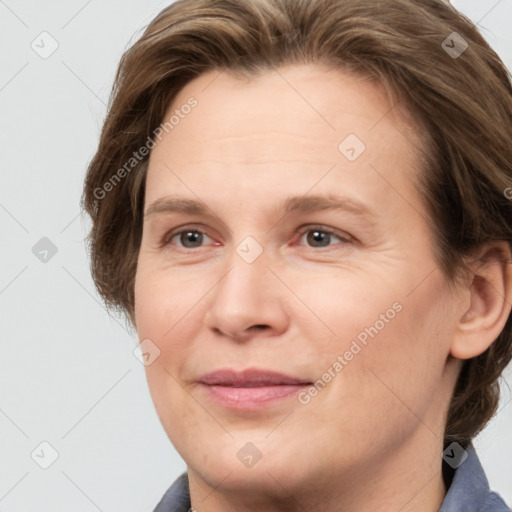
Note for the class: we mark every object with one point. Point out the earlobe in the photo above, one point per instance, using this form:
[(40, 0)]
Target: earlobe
[(490, 300)]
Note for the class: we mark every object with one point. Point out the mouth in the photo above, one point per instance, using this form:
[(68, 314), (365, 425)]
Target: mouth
[(252, 388)]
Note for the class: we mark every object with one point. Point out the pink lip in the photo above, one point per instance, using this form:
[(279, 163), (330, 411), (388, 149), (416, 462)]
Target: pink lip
[(251, 388)]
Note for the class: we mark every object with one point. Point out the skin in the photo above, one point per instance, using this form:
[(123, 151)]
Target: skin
[(372, 437)]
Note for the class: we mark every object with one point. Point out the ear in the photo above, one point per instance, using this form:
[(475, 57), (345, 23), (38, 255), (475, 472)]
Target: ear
[(489, 289)]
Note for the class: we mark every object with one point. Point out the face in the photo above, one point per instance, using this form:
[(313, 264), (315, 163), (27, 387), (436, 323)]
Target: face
[(283, 233)]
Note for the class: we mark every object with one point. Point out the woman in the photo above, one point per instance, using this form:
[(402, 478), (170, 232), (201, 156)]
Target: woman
[(302, 208)]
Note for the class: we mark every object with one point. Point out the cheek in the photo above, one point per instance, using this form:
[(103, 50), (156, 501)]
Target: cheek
[(342, 307), (159, 306), (169, 306), (164, 314), (388, 352), (163, 301)]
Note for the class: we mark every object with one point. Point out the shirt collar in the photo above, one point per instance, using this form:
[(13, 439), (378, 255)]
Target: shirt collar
[(469, 489)]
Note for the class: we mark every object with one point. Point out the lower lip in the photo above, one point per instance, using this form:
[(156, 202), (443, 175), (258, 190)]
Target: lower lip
[(252, 398)]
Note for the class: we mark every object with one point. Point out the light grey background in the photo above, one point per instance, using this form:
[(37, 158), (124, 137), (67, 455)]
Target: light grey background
[(68, 375)]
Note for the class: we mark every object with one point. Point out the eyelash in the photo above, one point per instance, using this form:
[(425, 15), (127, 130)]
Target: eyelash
[(166, 240)]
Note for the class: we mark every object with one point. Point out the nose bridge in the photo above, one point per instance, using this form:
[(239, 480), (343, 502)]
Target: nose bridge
[(246, 295), (247, 261), (240, 287)]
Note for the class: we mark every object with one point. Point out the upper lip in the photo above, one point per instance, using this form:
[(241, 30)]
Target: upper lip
[(251, 377)]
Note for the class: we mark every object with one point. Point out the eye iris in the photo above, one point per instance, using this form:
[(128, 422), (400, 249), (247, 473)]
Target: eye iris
[(189, 238), (315, 236)]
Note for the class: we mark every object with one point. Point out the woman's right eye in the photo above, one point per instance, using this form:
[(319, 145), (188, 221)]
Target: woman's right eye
[(185, 238)]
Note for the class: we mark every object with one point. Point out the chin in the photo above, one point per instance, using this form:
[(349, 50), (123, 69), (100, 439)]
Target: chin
[(252, 461)]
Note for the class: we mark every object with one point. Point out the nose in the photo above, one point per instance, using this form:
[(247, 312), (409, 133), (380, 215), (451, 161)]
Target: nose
[(248, 301)]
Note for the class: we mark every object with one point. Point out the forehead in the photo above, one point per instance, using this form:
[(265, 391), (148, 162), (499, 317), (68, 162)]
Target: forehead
[(287, 127)]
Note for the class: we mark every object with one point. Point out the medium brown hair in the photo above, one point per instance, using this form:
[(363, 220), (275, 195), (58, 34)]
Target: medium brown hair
[(464, 104)]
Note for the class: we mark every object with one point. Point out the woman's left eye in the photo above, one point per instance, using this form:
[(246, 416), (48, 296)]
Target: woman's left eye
[(319, 237)]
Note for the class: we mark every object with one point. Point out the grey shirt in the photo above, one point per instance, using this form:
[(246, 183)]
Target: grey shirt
[(468, 491)]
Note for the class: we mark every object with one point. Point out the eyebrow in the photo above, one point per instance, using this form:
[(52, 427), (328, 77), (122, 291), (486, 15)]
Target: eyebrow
[(300, 204)]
